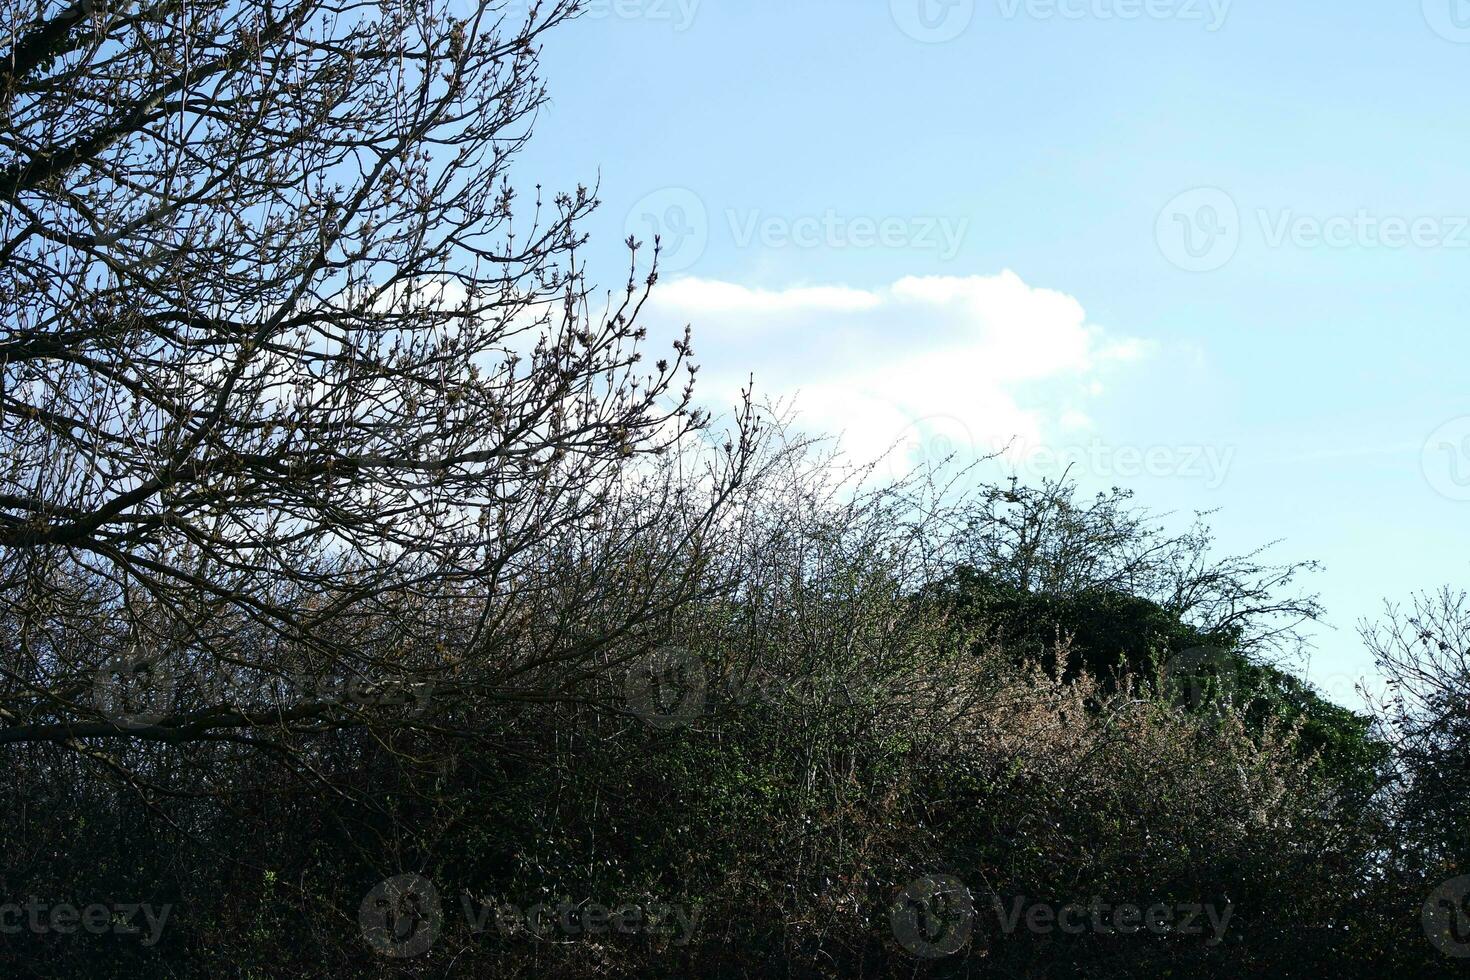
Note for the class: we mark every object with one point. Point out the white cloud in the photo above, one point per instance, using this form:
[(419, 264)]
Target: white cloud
[(970, 363), (706, 295)]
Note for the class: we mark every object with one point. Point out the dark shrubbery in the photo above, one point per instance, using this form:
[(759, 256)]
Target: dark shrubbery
[(856, 732), (371, 605)]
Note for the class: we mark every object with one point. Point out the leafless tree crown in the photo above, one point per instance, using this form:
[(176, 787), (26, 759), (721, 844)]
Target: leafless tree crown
[(289, 383)]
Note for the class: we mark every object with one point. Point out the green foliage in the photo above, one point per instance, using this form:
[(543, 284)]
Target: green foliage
[(1112, 635), (1108, 632), (870, 718)]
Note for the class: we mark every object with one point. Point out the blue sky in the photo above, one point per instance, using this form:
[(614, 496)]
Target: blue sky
[(1213, 250)]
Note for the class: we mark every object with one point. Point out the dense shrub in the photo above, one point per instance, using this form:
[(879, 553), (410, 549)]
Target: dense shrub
[(858, 728)]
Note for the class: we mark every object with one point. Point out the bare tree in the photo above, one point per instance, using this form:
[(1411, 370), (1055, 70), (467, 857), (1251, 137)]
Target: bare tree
[(1424, 654), (1050, 539), (290, 387)]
